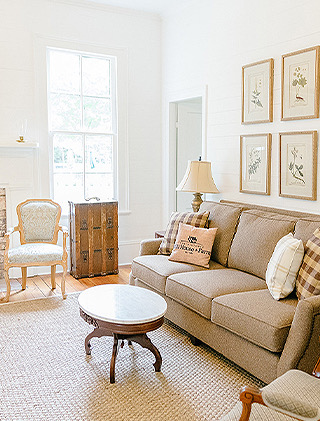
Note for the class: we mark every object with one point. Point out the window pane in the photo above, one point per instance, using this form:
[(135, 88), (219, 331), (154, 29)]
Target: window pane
[(65, 112), (97, 114), (67, 153), (100, 185), (95, 76), (99, 154), (64, 72), (68, 187)]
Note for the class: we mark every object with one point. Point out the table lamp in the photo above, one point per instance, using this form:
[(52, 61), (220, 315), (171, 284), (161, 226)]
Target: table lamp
[(198, 179)]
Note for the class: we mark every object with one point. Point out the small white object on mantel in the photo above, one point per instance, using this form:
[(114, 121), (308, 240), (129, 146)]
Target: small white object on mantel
[(125, 304)]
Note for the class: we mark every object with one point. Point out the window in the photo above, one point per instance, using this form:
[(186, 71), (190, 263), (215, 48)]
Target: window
[(82, 124)]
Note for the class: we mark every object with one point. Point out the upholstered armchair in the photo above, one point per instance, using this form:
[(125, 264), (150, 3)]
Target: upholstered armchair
[(294, 395), (38, 226)]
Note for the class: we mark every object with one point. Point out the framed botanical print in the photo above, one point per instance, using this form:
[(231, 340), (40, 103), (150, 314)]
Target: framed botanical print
[(257, 92), (300, 84), (298, 165), (255, 152)]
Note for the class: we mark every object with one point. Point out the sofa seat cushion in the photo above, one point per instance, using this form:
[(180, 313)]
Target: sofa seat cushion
[(256, 316), (155, 269), (197, 289)]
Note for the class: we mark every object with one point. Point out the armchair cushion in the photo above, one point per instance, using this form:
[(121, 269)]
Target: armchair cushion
[(35, 253), (39, 220), (295, 392)]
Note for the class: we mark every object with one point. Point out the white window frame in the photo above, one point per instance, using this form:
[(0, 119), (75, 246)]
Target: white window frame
[(113, 133), (45, 143)]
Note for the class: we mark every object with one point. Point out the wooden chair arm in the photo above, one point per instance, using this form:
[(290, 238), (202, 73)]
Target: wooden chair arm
[(316, 370), (248, 396), (7, 236), (11, 231), (63, 229)]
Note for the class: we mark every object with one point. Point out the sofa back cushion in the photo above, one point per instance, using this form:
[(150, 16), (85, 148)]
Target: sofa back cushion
[(256, 237), (225, 218), (305, 228)]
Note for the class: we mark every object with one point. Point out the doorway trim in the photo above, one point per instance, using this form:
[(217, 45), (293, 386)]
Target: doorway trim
[(169, 144)]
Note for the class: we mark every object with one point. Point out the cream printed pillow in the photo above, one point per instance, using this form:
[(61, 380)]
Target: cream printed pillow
[(193, 245), (283, 266)]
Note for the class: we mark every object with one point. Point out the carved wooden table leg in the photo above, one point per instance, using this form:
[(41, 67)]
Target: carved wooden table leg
[(145, 342), (97, 333), (113, 358), (132, 332)]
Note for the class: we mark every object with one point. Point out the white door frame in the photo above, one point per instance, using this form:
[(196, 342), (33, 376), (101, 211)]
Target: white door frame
[(169, 145)]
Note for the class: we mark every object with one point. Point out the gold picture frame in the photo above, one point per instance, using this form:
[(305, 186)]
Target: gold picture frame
[(300, 84), (257, 92), (297, 172), (255, 163)]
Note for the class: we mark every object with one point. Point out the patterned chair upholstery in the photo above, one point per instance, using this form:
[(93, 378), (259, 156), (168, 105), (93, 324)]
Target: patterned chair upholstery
[(38, 226), (294, 395)]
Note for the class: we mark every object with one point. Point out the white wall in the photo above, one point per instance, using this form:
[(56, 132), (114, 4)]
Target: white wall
[(26, 172), (207, 43)]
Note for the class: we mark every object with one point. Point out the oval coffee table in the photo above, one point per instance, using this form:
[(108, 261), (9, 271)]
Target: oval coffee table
[(124, 312)]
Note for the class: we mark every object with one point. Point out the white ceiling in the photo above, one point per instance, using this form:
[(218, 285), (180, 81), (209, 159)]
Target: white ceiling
[(161, 7)]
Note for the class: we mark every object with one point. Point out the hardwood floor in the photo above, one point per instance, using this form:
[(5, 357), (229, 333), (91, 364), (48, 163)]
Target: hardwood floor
[(40, 286)]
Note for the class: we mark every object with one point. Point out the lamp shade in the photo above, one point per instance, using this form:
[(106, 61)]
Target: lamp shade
[(198, 178)]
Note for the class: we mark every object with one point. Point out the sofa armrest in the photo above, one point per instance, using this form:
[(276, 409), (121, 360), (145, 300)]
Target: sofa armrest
[(302, 348), (150, 246)]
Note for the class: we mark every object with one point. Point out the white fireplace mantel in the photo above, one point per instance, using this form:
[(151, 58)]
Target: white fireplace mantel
[(20, 145)]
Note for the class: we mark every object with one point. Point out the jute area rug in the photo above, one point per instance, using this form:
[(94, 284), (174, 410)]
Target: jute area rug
[(46, 375)]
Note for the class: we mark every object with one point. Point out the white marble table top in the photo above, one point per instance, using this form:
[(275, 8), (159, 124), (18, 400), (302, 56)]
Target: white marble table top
[(125, 304)]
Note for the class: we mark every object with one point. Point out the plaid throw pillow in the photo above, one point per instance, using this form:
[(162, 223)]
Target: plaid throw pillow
[(198, 220), (308, 281)]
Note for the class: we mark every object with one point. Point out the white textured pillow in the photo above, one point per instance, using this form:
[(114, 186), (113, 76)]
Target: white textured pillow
[(283, 266)]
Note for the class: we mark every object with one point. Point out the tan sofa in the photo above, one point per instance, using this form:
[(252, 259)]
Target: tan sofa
[(228, 306)]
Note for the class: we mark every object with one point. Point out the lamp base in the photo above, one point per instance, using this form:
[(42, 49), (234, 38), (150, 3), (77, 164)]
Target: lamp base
[(196, 203)]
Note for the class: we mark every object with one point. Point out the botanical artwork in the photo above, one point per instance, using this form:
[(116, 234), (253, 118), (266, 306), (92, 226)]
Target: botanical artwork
[(255, 163), (298, 165), (257, 95), (295, 164), (300, 86)]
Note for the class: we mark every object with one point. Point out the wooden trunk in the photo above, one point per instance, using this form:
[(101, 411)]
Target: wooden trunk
[(93, 238)]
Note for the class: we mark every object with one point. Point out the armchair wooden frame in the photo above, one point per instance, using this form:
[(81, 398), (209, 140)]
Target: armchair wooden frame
[(250, 395), (19, 228)]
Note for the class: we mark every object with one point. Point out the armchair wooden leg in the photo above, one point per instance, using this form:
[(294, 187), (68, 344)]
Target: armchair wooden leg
[(53, 276), (6, 277), (63, 282), (24, 277)]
